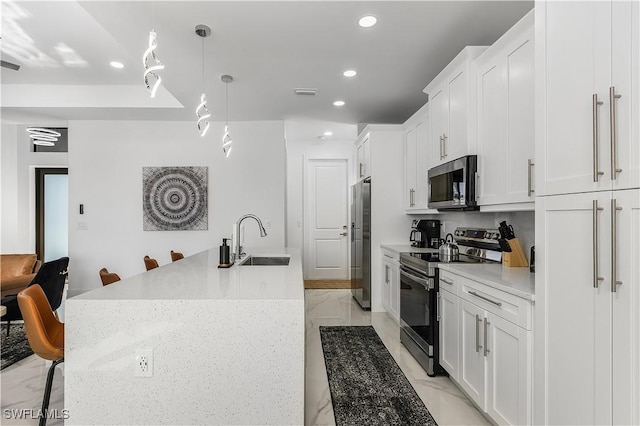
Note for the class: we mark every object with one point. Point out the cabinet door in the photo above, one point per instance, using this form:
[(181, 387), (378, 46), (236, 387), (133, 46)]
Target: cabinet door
[(492, 121), (508, 371), (472, 360), (439, 125), (366, 154), (519, 114), (410, 167), (394, 290), (626, 309), (449, 335), (455, 145), (625, 78), (360, 162), (386, 284), (577, 65), (573, 316), (420, 195)]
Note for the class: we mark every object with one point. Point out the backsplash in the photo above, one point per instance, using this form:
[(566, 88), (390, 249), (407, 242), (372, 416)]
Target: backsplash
[(523, 223)]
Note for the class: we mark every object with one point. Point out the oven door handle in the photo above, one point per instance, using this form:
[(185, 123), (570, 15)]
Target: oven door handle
[(422, 281)]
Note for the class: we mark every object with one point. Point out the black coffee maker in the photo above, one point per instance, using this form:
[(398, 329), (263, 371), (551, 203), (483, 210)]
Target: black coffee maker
[(425, 233)]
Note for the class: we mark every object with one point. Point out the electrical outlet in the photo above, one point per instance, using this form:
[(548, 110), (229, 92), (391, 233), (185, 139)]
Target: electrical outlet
[(143, 366)]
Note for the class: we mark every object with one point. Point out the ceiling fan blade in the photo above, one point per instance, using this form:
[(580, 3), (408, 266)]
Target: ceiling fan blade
[(9, 65)]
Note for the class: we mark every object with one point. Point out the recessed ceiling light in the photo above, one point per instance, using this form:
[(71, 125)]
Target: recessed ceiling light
[(338, 103), (328, 133), (350, 73), (116, 64), (367, 21)]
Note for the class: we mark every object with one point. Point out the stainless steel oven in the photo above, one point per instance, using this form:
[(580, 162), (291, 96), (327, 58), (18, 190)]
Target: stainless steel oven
[(419, 321), (452, 185), (418, 312)]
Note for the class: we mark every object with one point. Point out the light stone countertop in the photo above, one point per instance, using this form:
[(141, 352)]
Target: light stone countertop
[(228, 343), (517, 281), (198, 277)]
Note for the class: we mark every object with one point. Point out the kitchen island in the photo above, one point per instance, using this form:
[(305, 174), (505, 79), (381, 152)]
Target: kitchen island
[(227, 345)]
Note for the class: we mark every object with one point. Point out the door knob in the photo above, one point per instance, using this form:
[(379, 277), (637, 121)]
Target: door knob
[(344, 234)]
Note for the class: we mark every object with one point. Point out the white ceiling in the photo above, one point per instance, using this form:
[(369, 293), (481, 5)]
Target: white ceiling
[(269, 48)]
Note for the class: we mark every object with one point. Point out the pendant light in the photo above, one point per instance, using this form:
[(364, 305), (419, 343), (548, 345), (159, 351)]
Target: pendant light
[(152, 64), (43, 137), (202, 112), (226, 138)]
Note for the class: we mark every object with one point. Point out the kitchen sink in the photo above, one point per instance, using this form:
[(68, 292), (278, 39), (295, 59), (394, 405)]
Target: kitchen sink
[(276, 260)]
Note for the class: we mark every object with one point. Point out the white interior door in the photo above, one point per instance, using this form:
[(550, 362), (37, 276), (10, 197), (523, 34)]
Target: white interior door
[(326, 220)]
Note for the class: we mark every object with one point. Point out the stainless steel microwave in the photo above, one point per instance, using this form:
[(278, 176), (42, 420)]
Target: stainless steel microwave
[(452, 185)]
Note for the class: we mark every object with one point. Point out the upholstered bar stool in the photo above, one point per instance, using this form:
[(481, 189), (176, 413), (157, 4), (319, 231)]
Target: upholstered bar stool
[(176, 255), (150, 263), (108, 277), (44, 333)]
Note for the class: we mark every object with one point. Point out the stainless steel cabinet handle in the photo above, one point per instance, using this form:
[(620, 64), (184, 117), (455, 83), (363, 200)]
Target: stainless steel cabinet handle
[(441, 139), (614, 245), (478, 321), (596, 129), (444, 145), (486, 333), (486, 298), (386, 274), (596, 243), (438, 307), (444, 280), (529, 186), (612, 121), (361, 172), (412, 197)]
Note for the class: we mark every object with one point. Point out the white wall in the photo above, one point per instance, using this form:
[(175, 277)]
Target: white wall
[(105, 174), (18, 187), (389, 223)]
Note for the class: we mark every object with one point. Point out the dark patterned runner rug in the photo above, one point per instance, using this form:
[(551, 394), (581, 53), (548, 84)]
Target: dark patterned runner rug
[(15, 346), (367, 386)]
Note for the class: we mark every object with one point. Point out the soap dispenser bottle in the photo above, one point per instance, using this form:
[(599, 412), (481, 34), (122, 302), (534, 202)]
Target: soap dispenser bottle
[(225, 258)]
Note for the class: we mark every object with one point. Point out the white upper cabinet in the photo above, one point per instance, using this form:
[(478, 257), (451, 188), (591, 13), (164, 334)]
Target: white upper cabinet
[(505, 84), (363, 156), (416, 165), (452, 105), (588, 96)]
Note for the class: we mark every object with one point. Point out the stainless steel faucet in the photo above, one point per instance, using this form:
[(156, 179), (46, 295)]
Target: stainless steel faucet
[(263, 233)]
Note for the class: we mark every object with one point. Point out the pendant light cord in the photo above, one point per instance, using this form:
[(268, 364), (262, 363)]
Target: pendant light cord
[(202, 64), (226, 109)]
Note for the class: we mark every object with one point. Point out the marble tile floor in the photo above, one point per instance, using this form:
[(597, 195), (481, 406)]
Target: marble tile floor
[(22, 383), (443, 399)]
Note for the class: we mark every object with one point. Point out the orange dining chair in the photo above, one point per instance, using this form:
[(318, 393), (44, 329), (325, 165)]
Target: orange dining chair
[(176, 255), (150, 263), (44, 333), (108, 277)]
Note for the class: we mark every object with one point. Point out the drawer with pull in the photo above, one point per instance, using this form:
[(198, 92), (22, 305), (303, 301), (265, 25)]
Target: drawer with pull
[(507, 306), (449, 282)]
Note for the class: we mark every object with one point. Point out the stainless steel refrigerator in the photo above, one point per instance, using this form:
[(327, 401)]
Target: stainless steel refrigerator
[(361, 243)]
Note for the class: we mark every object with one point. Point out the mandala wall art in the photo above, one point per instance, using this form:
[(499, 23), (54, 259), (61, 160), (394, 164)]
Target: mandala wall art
[(174, 198)]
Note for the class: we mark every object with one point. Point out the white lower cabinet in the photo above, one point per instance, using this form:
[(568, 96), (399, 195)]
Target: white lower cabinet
[(449, 307), (494, 348), (588, 308), (391, 283)]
